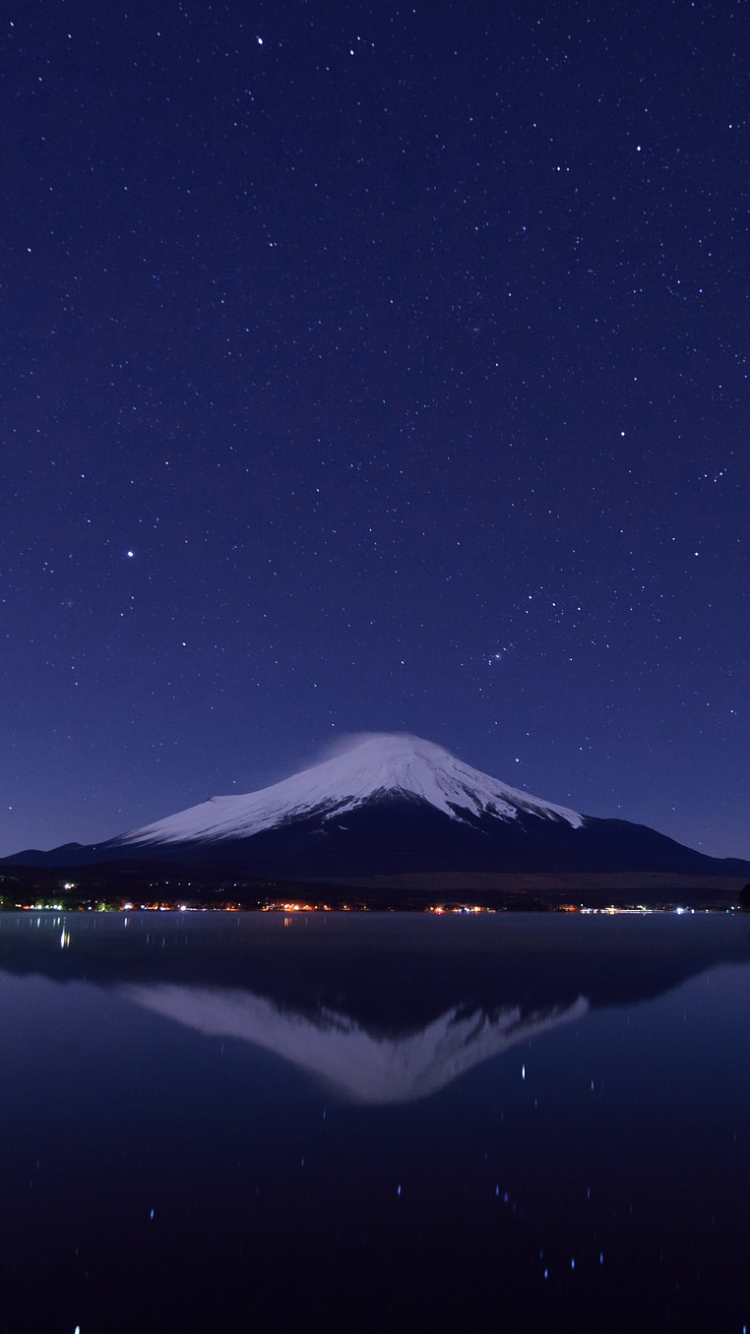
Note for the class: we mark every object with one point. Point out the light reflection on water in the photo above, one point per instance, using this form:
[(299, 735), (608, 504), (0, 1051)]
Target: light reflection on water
[(375, 1122)]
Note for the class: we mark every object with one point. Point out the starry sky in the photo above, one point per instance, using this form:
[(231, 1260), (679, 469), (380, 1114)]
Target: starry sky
[(374, 367)]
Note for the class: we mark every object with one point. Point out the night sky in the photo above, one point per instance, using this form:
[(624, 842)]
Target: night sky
[(370, 367)]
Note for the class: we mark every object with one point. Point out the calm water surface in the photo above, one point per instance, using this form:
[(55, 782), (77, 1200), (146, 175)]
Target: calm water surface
[(229, 1122)]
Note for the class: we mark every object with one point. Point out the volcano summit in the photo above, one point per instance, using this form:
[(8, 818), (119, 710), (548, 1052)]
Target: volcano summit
[(380, 768)]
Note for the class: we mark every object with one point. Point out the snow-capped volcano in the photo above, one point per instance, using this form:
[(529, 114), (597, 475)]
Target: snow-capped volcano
[(392, 805), (378, 766)]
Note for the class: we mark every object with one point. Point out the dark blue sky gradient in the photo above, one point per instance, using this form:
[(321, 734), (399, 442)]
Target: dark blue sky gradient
[(406, 350)]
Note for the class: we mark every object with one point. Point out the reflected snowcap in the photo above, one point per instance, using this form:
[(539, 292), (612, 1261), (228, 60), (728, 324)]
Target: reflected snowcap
[(360, 1065)]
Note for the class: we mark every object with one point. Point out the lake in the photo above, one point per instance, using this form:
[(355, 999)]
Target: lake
[(235, 1122)]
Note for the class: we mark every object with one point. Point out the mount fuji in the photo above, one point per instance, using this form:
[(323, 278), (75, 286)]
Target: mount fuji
[(395, 806)]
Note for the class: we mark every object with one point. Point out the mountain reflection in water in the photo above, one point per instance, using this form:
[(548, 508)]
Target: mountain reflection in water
[(379, 1123), (364, 1066)]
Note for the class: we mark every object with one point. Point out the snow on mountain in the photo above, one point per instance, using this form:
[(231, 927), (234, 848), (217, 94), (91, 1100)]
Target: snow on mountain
[(379, 765)]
